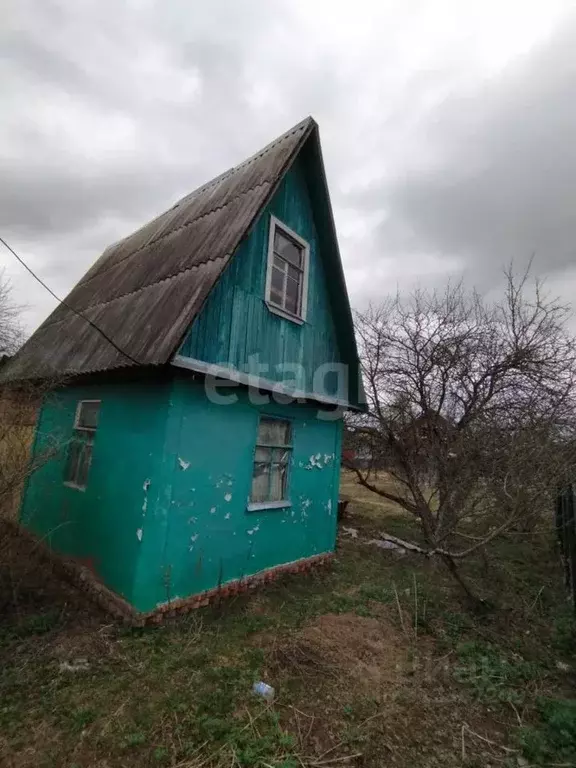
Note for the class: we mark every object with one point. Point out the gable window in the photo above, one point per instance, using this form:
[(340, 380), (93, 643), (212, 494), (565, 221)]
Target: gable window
[(271, 462), (287, 276), (80, 446)]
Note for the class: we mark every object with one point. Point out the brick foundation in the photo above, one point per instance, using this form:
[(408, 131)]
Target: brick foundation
[(85, 579), (247, 584)]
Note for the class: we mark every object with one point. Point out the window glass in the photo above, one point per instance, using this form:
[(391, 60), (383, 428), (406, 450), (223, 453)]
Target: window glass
[(87, 417), (81, 443), (271, 461), (287, 248), (286, 279), (273, 432)]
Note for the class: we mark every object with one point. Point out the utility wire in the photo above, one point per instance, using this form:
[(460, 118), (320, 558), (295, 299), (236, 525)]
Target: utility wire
[(68, 306)]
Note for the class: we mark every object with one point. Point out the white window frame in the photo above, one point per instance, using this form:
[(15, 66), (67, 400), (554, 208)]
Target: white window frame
[(277, 310), (280, 503)]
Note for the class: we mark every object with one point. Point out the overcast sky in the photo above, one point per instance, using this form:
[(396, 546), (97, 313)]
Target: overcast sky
[(448, 127)]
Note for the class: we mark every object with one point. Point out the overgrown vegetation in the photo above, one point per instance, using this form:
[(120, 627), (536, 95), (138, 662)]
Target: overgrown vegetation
[(18, 406), (375, 661), (472, 412)]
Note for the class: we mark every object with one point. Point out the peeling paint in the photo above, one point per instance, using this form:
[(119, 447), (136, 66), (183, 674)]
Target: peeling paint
[(253, 530), (212, 510), (228, 497), (329, 506), (183, 464), (194, 537), (319, 461), (139, 533), (314, 462), (145, 487), (230, 482), (227, 516)]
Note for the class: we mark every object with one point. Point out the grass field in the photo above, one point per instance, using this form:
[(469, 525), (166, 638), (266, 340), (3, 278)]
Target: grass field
[(375, 661)]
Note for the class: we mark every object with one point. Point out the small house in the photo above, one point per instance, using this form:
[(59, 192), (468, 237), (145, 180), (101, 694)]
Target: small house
[(201, 367)]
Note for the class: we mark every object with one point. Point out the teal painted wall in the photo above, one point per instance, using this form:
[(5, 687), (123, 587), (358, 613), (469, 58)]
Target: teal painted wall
[(235, 322), (99, 525), (195, 529), (201, 534), (164, 514)]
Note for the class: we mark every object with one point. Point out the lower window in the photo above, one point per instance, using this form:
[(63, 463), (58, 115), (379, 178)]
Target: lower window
[(271, 461), (79, 458), (80, 446)]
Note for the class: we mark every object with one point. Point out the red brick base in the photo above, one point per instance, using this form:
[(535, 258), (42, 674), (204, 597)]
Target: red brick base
[(84, 578), (183, 605)]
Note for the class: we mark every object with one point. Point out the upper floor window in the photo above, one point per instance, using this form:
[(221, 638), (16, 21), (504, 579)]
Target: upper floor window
[(287, 276), (80, 446)]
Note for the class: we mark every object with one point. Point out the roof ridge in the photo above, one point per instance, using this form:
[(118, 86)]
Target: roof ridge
[(305, 122), (217, 179), (244, 163), (172, 231), (164, 287)]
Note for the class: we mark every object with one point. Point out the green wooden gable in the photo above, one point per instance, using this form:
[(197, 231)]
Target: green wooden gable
[(236, 329)]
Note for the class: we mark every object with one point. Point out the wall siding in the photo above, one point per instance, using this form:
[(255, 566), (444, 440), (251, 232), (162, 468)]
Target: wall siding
[(195, 456), (164, 514), (208, 535), (235, 322), (99, 525)]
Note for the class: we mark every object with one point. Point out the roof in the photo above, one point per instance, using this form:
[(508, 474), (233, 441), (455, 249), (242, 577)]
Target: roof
[(145, 290)]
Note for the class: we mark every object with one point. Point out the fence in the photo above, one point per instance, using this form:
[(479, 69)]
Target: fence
[(566, 530)]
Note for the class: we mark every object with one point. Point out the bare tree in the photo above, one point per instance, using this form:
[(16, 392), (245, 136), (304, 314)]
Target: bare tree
[(471, 411), (11, 330), (19, 403)]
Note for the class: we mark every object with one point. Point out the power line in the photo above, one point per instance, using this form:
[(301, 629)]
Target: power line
[(68, 306)]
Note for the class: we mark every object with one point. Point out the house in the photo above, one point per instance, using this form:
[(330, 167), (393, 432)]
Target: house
[(203, 364)]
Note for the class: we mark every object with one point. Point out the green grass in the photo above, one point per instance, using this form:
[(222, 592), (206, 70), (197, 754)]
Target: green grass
[(405, 665), (494, 675)]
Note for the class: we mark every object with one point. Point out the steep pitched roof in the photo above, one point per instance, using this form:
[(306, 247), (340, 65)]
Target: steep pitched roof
[(144, 291)]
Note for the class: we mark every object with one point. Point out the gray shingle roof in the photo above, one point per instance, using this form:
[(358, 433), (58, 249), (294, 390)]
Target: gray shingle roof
[(145, 290)]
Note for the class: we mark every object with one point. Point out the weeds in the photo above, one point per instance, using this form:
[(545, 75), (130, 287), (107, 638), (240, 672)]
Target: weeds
[(376, 656), (491, 675), (554, 738)]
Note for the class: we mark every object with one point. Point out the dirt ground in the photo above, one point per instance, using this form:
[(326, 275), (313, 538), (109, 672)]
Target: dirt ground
[(375, 661)]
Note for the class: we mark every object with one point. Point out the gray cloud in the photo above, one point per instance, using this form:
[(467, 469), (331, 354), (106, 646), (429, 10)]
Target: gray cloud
[(438, 160), (495, 178)]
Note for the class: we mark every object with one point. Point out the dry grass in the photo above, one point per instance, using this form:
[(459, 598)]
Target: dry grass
[(375, 662), (351, 489)]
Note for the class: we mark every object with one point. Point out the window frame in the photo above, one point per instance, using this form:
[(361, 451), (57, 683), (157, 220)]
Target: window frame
[(79, 405), (300, 317), (280, 503), (82, 440)]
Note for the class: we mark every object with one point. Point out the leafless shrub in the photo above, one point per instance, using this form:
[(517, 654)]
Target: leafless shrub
[(19, 406), (471, 411)]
